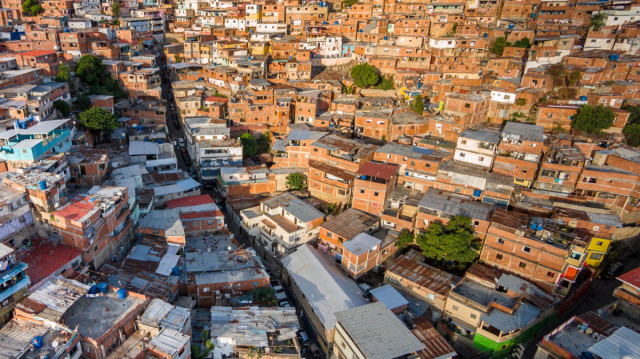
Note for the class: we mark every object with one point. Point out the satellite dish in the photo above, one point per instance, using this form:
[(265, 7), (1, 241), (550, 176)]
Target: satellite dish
[(229, 248)]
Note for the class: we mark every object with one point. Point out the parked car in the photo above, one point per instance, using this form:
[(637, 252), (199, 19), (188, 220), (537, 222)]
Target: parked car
[(181, 141), (614, 269), (285, 304)]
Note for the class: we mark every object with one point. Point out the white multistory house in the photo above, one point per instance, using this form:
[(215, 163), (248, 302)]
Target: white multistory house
[(477, 147)]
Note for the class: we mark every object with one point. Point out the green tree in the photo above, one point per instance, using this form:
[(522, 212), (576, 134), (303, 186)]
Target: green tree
[(454, 242), (83, 102), (63, 107), (249, 145), (99, 121), (64, 73), (521, 102), (349, 2), (91, 70), (523, 43), (386, 83), (597, 21), (115, 9), (32, 8), (557, 73), (498, 45), (296, 181), (634, 117), (632, 134), (364, 75), (417, 105), (593, 119), (405, 238), (264, 142), (573, 78)]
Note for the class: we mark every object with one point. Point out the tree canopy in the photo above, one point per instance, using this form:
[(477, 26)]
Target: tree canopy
[(249, 145), (417, 105), (364, 75), (632, 133), (91, 70), (63, 107), (498, 45), (597, 20), (405, 238), (454, 242), (32, 8), (523, 43), (99, 119), (296, 181), (64, 73), (593, 119)]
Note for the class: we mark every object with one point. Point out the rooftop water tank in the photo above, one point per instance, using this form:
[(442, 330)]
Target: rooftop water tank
[(583, 98), (37, 342), (122, 293), (42, 184), (102, 287)]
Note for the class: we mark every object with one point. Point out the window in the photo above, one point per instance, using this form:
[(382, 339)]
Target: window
[(576, 255), (455, 307), (522, 265), (499, 257), (599, 243), (375, 194), (473, 316), (467, 105), (550, 274), (210, 222), (463, 142), (500, 240), (361, 191), (526, 249), (462, 154), (595, 256)]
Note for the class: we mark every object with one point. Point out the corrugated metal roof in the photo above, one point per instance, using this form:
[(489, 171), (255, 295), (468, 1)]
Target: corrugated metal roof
[(524, 315), (325, 287), (624, 343), (361, 244), (389, 296), (377, 332)]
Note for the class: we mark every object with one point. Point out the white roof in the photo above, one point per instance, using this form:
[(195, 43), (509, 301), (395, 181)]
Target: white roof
[(327, 289), (169, 341), (137, 148), (5, 250), (624, 343)]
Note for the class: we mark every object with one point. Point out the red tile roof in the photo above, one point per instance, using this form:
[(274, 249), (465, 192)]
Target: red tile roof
[(37, 53), (75, 210), (631, 278), (44, 258), (379, 170), (199, 215), (216, 99), (190, 201)]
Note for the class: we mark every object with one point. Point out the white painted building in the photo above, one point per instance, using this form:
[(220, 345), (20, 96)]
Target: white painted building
[(477, 147)]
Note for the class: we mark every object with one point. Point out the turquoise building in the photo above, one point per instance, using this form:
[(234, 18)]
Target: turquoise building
[(34, 143)]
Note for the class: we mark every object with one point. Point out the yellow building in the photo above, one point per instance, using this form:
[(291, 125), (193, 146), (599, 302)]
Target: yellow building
[(260, 48), (598, 248)]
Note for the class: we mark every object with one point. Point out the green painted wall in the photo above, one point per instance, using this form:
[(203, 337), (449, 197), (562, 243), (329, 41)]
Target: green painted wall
[(503, 349)]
